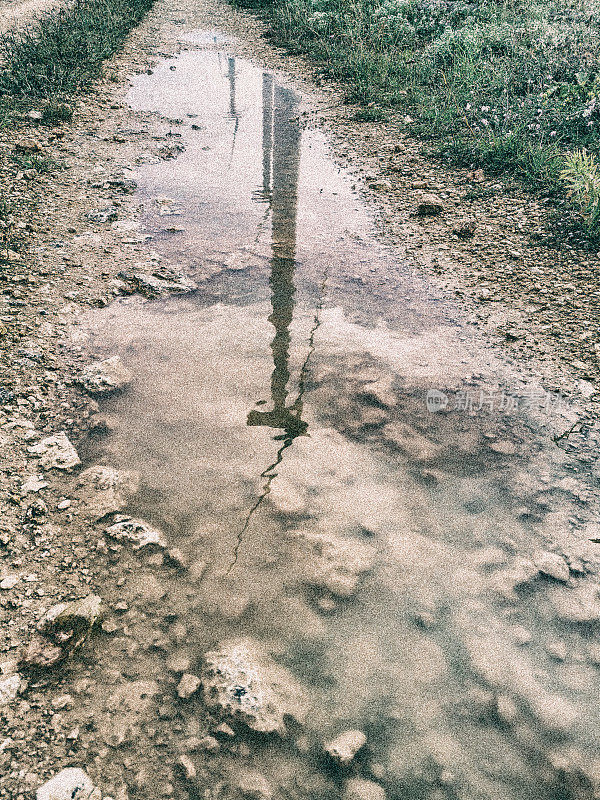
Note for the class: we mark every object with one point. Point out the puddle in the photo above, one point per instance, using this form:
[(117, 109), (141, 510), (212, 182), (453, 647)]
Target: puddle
[(365, 482)]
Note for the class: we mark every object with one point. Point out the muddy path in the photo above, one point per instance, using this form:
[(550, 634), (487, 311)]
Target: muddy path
[(340, 545)]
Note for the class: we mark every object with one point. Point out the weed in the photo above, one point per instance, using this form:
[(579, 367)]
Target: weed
[(55, 113), (370, 115), (582, 178), (41, 164)]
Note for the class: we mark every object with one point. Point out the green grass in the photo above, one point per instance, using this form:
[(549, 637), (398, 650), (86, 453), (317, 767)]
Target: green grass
[(41, 164), (61, 53), (510, 86)]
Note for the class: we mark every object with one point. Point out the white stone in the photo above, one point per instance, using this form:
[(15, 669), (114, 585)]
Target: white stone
[(553, 565), (188, 685), (139, 533), (70, 784), (105, 490), (361, 789), (243, 680), (56, 452), (9, 688), (9, 582), (345, 746), (104, 377), (33, 483)]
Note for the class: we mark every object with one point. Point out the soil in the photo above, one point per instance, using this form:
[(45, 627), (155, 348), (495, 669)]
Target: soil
[(15, 13), (535, 301)]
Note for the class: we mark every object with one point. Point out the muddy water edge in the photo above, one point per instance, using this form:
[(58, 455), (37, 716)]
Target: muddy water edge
[(369, 527)]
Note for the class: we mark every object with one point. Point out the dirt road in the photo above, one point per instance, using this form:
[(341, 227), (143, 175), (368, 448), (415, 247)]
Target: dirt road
[(327, 542)]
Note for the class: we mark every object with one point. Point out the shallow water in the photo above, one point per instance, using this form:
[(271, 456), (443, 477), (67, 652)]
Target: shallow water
[(292, 398)]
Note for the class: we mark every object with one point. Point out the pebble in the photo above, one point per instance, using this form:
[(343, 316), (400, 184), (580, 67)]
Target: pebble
[(56, 452), (361, 789), (139, 533), (9, 582), (430, 205), (70, 784), (188, 685), (344, 747), (9, 688), (552, 565), (106, 377), (254, 786), (188, 767)]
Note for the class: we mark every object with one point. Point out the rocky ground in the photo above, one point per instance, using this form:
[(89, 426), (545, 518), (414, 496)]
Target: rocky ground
[(70, 242)]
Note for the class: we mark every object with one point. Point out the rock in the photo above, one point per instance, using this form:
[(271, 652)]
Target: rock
[(381, 392), (106, 490), (27, 146), (178, 558), (580, 605), (36, 510), (41, 654), (9, 688), (56, 452), (108, 214), (335, 563), (70, 784), (36, 116), (9, 582), (187, 765), (254, 786), (106, 377), (225, 730), (553, 565), (197, 569), (33, 483), (361, 789), (503, 448), (516, 576), (125, 185), (381, 184), (158, 285), (68, 624), (344, 747), (137, 532), (208, 743), (466, 230), (188, 685), (243, 681), (430, 205), (62, 701)]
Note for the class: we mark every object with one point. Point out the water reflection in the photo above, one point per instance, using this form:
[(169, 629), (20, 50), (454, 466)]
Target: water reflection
[(281, 156)]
